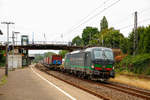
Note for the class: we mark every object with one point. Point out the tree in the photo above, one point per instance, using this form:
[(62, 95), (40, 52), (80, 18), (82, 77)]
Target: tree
[(47, 54), (103, 24), (2, 58), (124, 45), (63, 53), (147, 40), (111, 38), (77, 41), (88, 34), (143, 40), (38, 57)]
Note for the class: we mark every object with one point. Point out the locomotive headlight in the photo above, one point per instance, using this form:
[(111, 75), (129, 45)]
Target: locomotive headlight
[(113, 67), (92, 66), (103, 66)]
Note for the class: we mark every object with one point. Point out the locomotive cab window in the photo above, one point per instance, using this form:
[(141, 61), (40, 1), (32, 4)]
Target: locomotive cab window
[(98, 54), (109, 54)]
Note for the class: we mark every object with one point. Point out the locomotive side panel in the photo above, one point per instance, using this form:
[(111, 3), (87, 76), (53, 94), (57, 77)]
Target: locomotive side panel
[(88, 63)]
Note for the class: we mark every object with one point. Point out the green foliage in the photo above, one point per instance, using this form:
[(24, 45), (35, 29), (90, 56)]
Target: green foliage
[(95, 41), (39, 57), (47, 54), (108, 37), (139, 64), (2, 58), (3, 80), (111, 38), (88, 34), (77, 41), (63, 52), (123, 45), (146, 42), (104, 24), (143, 40)]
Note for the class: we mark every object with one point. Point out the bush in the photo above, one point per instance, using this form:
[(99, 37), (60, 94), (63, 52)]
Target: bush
[(139, 64)]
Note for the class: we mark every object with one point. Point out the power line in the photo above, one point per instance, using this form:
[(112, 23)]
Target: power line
[(89, 14), (94, 10), (144, 10), (131, 15), (94, 15), (133, 24)]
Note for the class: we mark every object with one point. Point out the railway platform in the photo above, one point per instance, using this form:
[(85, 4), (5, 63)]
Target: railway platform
[(2, 73), (32, 84)]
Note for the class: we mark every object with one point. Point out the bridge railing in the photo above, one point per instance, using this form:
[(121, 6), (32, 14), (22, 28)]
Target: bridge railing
[(2, 43), (49, 42)]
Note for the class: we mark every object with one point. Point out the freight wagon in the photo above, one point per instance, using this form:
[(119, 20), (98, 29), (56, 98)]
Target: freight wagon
[(52, 61)]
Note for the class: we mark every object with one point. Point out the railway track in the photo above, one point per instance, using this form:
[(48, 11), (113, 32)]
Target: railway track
[(132, 91), (137, 92), (85, 89), (125, 89)]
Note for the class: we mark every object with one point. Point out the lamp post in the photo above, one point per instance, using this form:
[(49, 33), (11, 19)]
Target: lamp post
[(7, 44)]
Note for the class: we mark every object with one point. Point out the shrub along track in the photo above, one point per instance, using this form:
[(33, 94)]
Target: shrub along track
[(106, 91)]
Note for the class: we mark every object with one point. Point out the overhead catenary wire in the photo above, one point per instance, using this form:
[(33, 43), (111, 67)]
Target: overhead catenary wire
[(130, 15), (145, 10), (94, 10), (89, 14), (131, 25), (94, 16)]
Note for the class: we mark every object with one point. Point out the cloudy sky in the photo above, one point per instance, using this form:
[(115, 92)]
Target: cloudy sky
[(62, 20)]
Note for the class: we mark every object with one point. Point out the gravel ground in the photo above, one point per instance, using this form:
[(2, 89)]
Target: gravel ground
[(114, 94)]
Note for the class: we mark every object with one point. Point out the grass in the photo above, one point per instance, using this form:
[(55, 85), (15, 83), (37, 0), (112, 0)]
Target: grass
[(132, 81), (3, 80)]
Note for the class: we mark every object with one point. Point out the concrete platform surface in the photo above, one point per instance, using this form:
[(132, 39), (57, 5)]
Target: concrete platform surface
[(32, 84)]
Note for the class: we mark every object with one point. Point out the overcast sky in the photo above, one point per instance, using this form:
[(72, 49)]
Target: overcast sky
[(61, 20)]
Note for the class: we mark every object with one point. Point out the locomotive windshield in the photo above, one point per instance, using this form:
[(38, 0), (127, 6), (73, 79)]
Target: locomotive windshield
[(103, 54), (109, 54), (98, 54)]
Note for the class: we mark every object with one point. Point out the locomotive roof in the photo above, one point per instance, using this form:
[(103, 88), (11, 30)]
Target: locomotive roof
[(102, 48), (90, 49)]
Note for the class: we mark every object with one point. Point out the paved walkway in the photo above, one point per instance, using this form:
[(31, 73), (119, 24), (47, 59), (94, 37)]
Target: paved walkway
[(23, 84), (2, 72), (31, 84)]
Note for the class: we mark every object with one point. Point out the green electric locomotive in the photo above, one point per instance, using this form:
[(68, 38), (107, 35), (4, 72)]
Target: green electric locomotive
[(94, 63)]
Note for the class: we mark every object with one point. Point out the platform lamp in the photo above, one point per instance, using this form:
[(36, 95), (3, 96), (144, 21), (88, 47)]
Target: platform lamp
[(7, 44)]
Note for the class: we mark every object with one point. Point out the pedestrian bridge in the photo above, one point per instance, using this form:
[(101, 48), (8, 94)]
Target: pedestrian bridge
[(42, 45)]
